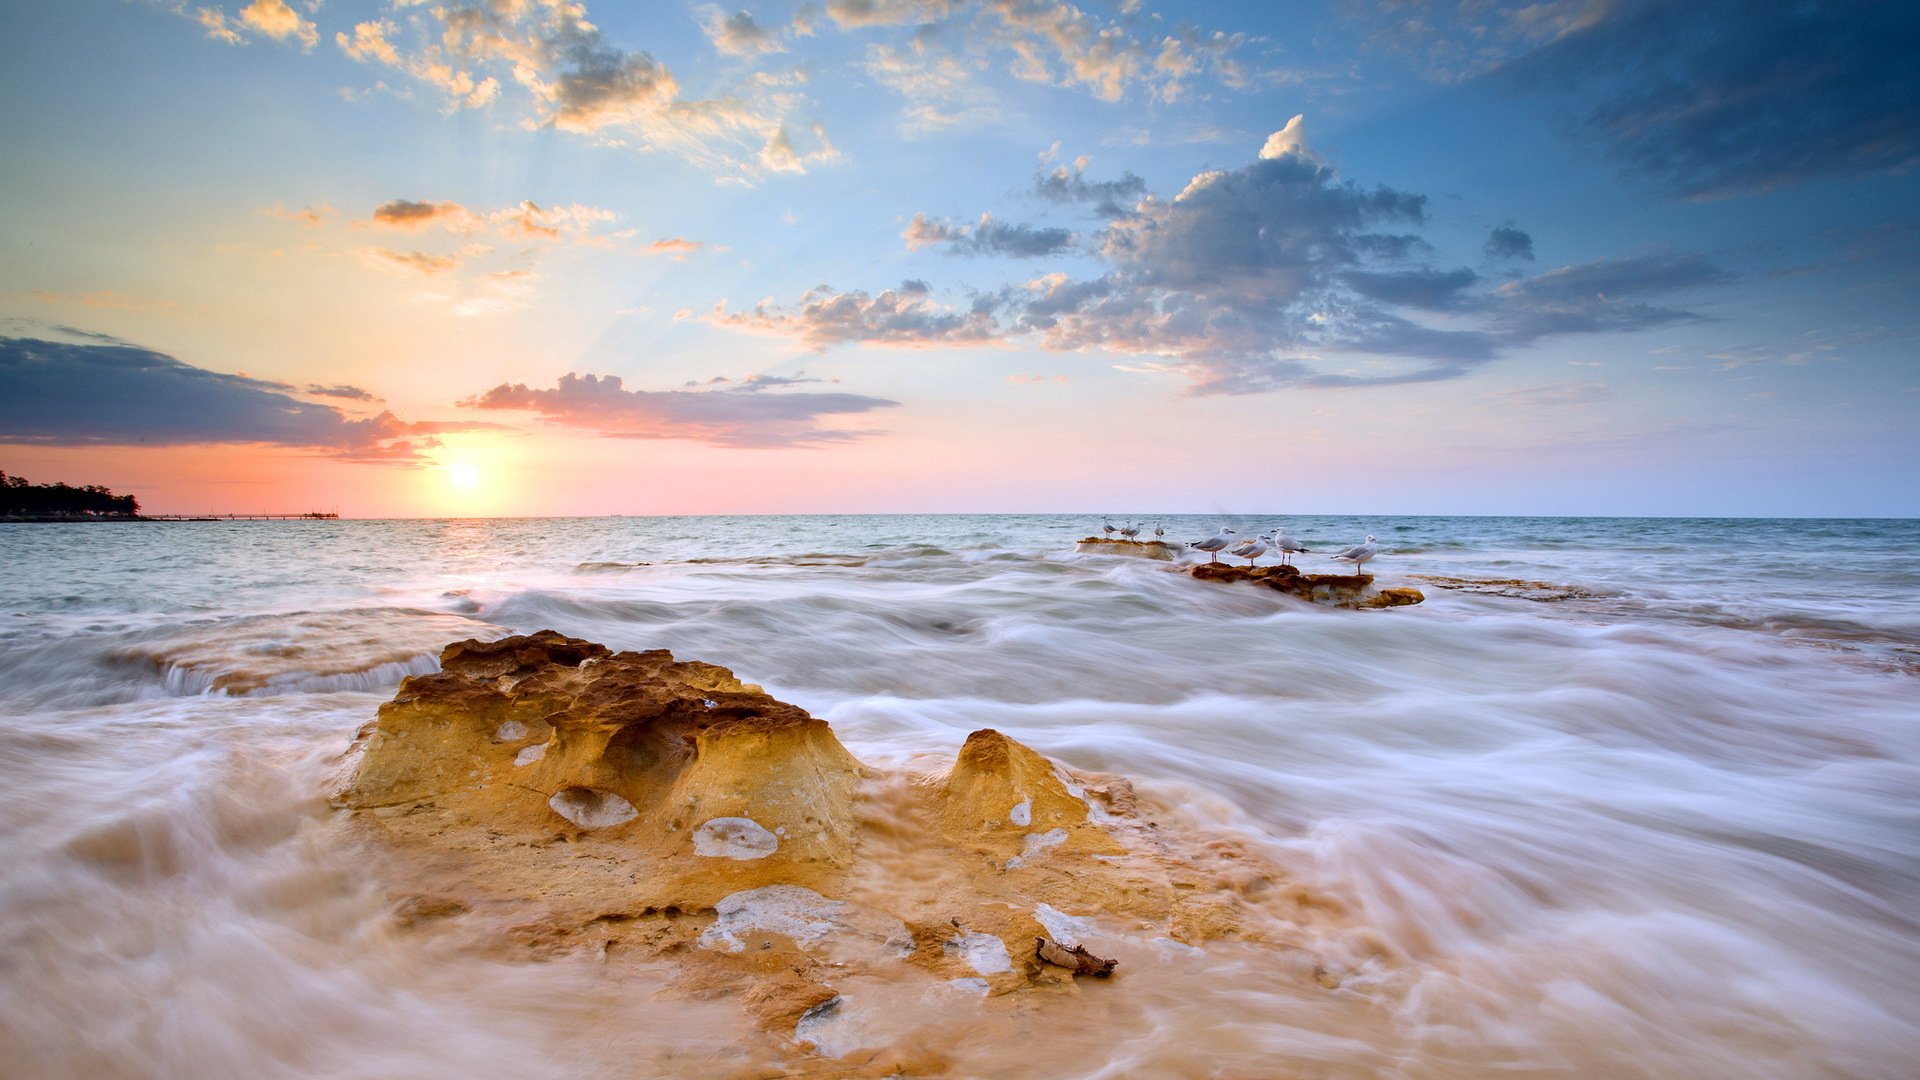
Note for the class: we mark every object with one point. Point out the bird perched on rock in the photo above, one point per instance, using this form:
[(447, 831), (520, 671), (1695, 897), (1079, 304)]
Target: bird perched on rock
[(1158, 532), (1252, 549), (1358, 553), (1106, 526), (1286, 545), (1129, 530), (1212, 544)]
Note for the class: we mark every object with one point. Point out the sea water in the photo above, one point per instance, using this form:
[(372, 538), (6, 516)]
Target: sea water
[(1622, 798)]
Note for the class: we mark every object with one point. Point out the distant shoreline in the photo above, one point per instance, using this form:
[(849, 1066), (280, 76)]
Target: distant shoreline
[(71, 519)]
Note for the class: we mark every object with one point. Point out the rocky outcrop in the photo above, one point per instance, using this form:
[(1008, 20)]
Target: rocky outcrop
[(549, 793), (1335, 590), (1141, 549), (714, 783)]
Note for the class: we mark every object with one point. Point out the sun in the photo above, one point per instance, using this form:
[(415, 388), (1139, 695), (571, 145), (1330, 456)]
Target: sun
[(463, 476)]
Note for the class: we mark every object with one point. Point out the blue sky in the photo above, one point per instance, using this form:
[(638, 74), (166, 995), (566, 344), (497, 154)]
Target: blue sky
[(873, 255)]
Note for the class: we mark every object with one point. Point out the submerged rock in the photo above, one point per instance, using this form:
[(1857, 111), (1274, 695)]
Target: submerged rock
[(677, 811), (1143, 549), (1335, 590)]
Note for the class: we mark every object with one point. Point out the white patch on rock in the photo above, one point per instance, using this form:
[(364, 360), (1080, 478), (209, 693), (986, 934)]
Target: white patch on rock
[(1095, 813), (1036, 845), (734, 838), (530, 754), (591, 808), (1061, 927), (825, 1027), (980, 987), (788, 910), (1022, 814), (985, 953), (511, 731)]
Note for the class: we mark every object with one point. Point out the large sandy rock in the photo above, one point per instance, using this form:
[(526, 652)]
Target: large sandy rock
[(547, 794), (706, 781)]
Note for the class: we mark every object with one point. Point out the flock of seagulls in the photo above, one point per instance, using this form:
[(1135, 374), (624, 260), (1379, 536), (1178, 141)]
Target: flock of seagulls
[(1276, 541), (1130, 530)]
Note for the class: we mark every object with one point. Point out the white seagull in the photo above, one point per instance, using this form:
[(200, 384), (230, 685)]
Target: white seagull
[(1212, 544), (1284, 544), (1158, 532), (1252, 549), (1106, 526), (1359, 553), (1129, 530)]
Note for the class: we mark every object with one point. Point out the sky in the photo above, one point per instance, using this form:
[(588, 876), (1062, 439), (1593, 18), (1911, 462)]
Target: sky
[(402, 258)]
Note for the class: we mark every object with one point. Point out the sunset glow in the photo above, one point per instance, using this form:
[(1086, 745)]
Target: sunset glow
[(913, 256)]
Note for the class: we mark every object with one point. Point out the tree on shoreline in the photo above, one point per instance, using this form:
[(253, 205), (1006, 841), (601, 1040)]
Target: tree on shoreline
[(19, 497)]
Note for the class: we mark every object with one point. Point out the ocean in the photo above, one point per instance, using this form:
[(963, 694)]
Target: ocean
[(1623, 797)]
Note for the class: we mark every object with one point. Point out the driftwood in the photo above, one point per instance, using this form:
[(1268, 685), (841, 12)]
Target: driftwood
[(1077, 958)]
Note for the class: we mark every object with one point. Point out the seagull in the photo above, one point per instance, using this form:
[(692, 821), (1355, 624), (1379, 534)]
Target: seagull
[(1284, 544), (1106, 526), (1212, 544), (1158, 532), (1252, 549), (1129, 530), (1359, 553)]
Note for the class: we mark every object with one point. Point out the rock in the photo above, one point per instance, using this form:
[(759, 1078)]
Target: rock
[(1335, 590), (719, 786), (678, 813), (1006, 799), (1140, 549)]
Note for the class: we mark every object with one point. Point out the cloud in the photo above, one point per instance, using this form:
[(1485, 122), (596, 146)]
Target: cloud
[(278, 21), (67, 394), (408, 214), (423, 261), (986, 237), (745, 416), (738, 34), (1507, 242), (1602, 296), (311, 216), (1717, 98), (549, 60), (348, 393), (907, 316), (940, 89), (1277, 273), (857, 14), (268, 18), (678, 247), (1291, 139), (1111, 198), (520, 221), (1433, 290), (1060, 44)]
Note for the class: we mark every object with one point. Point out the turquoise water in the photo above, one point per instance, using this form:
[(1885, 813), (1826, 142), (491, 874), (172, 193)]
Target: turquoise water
[(1655, 818)]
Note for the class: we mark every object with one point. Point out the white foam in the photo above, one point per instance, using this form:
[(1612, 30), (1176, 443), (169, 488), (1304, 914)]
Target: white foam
[(591, 808), (734, 838)]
